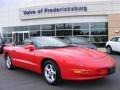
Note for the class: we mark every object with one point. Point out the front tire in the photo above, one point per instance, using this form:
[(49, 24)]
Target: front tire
[(109, 49), (51, 73), (8, 62)]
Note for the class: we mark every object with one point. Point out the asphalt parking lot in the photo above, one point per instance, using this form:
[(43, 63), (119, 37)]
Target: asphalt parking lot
[(19, 79)]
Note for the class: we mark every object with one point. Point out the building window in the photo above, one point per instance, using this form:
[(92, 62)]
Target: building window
[(80, 32), (7, 34), (18, 28), (99, 33), (63, 26), (7, 29), (63, 30), (34, 33), (98, 39), (24, 28), (82, 26), (7, 39), (63, 33), (48, 27), (48, 30), (81, 29), (96, 32), (34, 27), (96, 25), (48, 33)]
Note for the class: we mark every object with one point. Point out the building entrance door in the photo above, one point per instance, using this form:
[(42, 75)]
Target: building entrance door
[(18, 37)]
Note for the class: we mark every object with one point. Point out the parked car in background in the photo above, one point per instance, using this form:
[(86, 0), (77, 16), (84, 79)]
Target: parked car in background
[(56, 60), (2, 44), (80, 42), (113, 45)]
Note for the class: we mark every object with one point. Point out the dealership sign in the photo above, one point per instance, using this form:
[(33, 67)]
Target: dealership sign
[(51, 11)]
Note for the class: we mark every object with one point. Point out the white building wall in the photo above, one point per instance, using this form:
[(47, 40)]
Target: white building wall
[(97, 12)]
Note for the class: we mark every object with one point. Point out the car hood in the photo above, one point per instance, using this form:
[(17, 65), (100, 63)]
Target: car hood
[(81, 56), (76, 52)]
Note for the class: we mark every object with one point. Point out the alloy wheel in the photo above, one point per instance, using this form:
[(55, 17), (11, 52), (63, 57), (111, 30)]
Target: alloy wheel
[(50, 73), (8, 62)]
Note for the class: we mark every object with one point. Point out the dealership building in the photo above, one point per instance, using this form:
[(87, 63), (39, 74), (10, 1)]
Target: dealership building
[(97, 21)]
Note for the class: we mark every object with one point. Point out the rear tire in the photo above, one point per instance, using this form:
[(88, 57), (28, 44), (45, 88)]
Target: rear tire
[(51, 72), (8, 62), (109, 49)]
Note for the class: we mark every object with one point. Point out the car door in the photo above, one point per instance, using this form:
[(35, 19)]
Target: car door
[(117, 44), (112, 43), (24, 58)]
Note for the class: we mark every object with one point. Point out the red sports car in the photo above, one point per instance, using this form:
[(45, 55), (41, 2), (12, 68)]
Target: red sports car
[(56, 60)]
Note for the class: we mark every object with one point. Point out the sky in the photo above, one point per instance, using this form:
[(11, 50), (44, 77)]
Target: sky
[(18, 2)]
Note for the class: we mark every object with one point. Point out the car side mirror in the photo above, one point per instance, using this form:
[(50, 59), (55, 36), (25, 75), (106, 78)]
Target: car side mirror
[(29, 47)]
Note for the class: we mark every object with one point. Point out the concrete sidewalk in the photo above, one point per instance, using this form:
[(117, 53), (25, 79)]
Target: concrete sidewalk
[(102, 49)]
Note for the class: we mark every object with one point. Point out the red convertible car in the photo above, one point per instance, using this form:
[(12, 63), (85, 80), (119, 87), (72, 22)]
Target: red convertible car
[(56, 60)]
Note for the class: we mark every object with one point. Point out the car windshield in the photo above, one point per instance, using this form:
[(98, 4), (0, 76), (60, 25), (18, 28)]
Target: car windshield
[(49, 42), (78, 40)]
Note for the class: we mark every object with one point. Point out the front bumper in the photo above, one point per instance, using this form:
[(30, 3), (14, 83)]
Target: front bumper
[(89, 74)]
